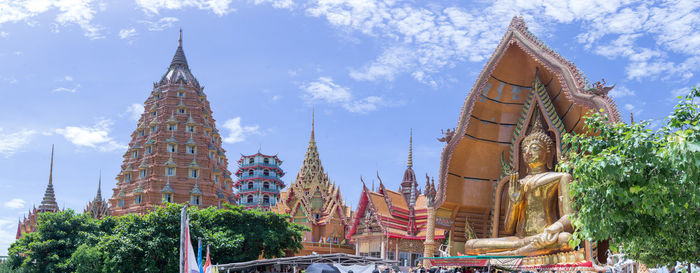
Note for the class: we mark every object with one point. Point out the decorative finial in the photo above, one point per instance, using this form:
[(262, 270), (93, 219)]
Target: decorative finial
[(179, 41), (410, 150), (51, 168), (632, 117), (99, 187), (313, 138)]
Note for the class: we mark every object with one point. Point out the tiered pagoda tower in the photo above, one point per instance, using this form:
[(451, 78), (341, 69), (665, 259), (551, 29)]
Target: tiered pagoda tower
[(259, 181), (175, 153), (314, 201), (98, 207), (48, 204)]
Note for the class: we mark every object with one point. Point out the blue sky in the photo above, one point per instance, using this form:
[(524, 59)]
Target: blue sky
[(74, 73)]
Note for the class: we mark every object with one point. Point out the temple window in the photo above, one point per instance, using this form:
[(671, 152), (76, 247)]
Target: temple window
[(141, 132), (153, 114), (194, 173), (157, 96), (121, 202), (135, 154), (171, 171), (266, 161), (143, 173), (251, 172), (127, 177), (190, 128), (211, 154), (316, 216), (221, 204), (137, 199), (172, 148), (266, 185), (251, 161), (154, 128), (191, 149), (249, 199), (172, 127), (149, 149), (250, 185), (266, 173), (266, 199), (195, 200), (167, 198), (216, 178), (206, 133), (180, 94), (181, 110)]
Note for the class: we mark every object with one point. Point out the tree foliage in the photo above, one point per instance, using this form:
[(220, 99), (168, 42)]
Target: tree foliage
[(638, 187), (69, 242)]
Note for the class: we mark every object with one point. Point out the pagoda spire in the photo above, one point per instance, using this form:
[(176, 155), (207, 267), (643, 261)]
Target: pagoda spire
[(179, 58), (410, 150), (48, 203), (313, 137), (98, 197)]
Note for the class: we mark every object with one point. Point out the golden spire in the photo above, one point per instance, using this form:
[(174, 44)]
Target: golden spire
[(179, 41), (410, 150)]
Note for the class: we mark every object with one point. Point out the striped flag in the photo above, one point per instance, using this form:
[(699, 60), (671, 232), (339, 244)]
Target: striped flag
[(188, 262)]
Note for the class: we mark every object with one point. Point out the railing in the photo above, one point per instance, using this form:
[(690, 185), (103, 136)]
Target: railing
[(245, 188), (255, 203), (259, 164), (246, 176)]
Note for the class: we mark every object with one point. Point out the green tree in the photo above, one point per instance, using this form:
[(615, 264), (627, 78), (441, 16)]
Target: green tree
[(69, 242), (638, 187), (49, 249)]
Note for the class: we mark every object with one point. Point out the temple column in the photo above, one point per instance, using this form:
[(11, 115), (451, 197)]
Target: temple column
[(429, 244), (382, 248), (357, 247)]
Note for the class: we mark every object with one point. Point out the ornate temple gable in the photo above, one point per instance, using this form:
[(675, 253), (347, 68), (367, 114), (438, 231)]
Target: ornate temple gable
[(504, 82), (98, 207), (522, 77), (367, 214), (176, 153)]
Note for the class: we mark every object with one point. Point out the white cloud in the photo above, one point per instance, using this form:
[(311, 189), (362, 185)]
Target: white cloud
[(13, 142), (238, 132), (15, 203), (325, 90), (218, 7), (66, 89), (422, 41), (4, 34), (127, 33), (621, 91), (280, 4), (96, 137), (161, 24), (276, 97), (134, 111), (79, 12), (67, 78)]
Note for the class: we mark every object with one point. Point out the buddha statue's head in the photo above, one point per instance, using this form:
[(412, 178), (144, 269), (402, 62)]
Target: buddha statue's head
[(537, 149)]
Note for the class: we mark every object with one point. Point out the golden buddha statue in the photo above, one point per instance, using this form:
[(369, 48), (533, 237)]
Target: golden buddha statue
[(539, 207)]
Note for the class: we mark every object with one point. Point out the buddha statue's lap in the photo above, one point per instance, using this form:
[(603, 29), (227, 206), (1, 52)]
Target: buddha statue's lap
[(539, 206)]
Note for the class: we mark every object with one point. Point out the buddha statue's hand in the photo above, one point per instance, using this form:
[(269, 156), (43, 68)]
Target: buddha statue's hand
[(549, 236), (514, 188)]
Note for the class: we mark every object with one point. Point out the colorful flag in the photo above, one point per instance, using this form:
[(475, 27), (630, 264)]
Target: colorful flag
[(199, 255), (208, 268), (188, 262)]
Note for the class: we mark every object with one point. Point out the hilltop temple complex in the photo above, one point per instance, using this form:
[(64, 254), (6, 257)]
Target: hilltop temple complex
[(175, 153), (314, 201), (259, 181), (393, 224), (509, 135), (48, 204)]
